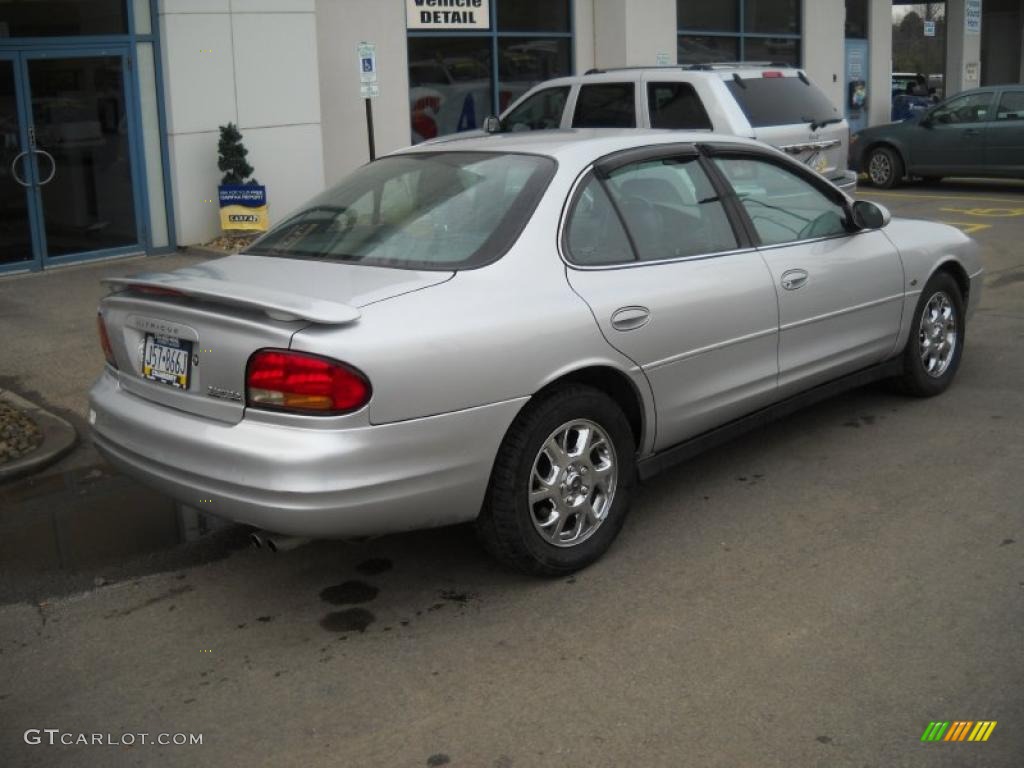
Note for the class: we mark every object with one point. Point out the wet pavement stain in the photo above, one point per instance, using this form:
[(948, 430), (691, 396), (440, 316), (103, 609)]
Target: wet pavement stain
[(349, 620), (439, 759), (349, 592), (265, 619), (1007, 541), (375, 566), (457, 597)]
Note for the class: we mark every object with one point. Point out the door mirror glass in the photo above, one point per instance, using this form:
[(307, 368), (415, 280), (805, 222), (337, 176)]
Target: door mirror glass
[(492, 124), (868, 215)]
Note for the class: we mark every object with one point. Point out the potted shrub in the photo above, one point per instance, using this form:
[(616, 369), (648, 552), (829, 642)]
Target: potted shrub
[(243, 200)]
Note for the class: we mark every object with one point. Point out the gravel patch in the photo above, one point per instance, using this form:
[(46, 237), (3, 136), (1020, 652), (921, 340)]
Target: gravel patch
[(19, 434)]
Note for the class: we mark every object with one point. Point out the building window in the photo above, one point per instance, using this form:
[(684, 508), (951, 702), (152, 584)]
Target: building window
[(458, 77), (857, 19), (739, 30)]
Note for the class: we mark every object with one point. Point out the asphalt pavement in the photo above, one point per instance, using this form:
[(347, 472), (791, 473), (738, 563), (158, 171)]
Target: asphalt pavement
[(814, 594)]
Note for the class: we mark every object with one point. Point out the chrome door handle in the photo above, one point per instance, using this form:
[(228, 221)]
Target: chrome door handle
[(14, 168), (630, 318), (53, 166), (793, 279)]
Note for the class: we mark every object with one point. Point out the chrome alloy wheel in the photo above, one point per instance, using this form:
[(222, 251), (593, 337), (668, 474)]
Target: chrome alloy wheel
[(572, 484), (937, 334), (879, 168)]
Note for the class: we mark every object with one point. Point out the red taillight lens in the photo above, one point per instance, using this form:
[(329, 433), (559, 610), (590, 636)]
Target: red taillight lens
[(294, 381), (156, 290), (108, 351), (771, 73)]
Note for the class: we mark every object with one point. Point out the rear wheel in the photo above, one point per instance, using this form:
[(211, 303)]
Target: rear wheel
[(560, 488), (936, 342), (885, 167)]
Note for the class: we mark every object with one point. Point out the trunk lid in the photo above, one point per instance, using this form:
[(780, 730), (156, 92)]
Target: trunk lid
[(823, 150), (204, 322)]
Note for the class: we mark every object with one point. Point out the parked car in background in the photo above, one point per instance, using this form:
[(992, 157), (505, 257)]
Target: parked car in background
[(910, 95), (775, 104), (508, 329), (975, 133)]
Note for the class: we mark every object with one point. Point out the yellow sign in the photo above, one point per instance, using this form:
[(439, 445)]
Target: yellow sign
[(243, 207)]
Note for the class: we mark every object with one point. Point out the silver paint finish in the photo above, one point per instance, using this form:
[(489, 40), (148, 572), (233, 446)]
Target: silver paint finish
[(454, 357)]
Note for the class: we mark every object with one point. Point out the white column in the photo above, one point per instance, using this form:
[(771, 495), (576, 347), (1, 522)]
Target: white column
[(631, 33), (879, 61), (341, 26), (824, 44), (583, 22), (963, 47), (252, 63)]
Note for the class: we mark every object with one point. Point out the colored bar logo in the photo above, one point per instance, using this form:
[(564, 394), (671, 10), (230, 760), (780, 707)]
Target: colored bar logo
[(959, 730)]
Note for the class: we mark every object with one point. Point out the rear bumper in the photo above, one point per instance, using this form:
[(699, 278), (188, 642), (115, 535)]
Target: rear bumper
[(306, 482)]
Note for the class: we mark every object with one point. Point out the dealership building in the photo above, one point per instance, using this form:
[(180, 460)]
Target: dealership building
[(110, 109)]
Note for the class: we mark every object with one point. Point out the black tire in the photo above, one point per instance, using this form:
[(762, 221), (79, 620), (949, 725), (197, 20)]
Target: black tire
[(884, 167), (506, 524), (916, 380)]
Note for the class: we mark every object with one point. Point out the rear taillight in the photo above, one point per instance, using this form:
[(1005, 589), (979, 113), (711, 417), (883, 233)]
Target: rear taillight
[(108, 351), (293, 381), (771, 73)]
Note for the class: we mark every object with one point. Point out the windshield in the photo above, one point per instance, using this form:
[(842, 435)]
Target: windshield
[(768, 101), (430, 210)]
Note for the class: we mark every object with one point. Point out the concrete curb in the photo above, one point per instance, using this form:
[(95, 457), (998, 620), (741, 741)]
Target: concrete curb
[(59, 437)]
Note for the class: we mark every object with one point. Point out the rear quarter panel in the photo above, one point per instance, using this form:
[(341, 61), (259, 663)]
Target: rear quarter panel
[(489, 335)]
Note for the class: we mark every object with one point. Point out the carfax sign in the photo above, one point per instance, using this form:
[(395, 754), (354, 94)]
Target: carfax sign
[(243, 206), (448, 14)]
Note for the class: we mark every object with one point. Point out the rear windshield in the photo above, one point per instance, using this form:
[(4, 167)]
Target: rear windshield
[(432, 210), (781, 101)]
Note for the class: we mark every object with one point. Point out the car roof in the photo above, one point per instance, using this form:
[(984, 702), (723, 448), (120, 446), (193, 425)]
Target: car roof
[(583, 144), (716, 71)]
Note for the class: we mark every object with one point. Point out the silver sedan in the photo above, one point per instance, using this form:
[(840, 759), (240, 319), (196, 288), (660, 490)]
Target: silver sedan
[(513, 329)]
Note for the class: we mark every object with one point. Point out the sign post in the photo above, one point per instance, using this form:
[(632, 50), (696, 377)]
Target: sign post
[(368, 87)]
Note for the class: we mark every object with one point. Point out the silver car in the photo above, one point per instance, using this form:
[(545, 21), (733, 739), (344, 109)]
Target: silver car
[(511, 329)]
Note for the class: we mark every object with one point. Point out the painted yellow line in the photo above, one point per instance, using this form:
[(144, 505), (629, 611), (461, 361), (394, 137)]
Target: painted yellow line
[(988, 731), (939, 197), (967, 227), (978, 730)]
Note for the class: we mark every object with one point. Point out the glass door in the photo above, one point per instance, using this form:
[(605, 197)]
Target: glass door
[(17, 248), (68, 159), (80, 133)]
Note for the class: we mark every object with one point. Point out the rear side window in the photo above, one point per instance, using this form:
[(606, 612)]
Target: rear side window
[(540, 111), (768, 101), (1011, 106), (669, 209), (605, 105), (676, 105)]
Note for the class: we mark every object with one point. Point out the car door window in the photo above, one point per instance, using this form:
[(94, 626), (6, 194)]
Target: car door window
[(605, 105), (540, 111), (970, 108), (676, 105), (783, 207), (1011, 106), (669, 209), (595, 235)]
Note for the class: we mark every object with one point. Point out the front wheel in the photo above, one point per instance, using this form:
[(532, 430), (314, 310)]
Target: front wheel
[(560, 488), (885, 167), (936, 342)]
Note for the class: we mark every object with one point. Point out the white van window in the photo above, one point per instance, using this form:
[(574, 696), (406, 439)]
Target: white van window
[(605, 105)]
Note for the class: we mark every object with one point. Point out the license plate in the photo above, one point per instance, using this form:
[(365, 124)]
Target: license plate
[(167, 360)]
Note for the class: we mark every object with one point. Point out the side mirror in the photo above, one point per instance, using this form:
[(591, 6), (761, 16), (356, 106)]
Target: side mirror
[(492, 124), (868, 215)]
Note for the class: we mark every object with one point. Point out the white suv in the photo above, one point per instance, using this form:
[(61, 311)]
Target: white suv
[(771, 103)]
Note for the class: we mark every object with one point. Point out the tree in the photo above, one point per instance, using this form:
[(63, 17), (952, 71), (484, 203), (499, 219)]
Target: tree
[(231, 158)]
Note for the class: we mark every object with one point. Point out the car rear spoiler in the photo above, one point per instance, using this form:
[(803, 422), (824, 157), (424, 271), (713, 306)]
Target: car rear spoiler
[(276, 304)]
